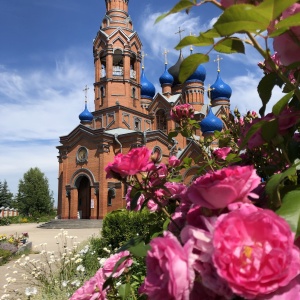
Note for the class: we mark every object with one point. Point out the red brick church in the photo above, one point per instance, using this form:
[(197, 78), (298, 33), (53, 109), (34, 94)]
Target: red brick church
[(128, 113)]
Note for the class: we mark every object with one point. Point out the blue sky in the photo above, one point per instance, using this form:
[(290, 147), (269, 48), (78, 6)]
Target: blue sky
[(46, 60)]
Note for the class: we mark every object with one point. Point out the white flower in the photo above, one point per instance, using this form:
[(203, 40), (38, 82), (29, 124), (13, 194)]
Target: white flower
[(65, 283), (80, 268), (101, 261), (76, 283), (30, 291)]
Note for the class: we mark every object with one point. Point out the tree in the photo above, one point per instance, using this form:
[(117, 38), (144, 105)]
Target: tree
[(34, 196), (5, 195)]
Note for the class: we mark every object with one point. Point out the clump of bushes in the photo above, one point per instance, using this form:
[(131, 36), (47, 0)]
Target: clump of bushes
[(122, 225), (5, 221), (4, 256)]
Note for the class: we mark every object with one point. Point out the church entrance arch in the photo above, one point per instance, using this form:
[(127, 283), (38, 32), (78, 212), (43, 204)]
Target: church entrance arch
[(84, 197)]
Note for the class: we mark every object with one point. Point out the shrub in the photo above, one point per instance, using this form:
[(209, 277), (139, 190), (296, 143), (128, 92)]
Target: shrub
[(4, 255), (4, 221), (122, 225)]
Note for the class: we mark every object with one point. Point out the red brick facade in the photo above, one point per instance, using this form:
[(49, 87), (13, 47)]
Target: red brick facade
[(121, 121)]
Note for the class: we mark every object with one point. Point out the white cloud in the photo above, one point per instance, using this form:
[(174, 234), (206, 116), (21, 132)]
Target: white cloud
[(37, 106), (162, 35), (245, 96)]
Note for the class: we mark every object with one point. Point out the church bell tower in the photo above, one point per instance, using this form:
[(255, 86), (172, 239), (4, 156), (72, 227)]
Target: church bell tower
[(117, 59)]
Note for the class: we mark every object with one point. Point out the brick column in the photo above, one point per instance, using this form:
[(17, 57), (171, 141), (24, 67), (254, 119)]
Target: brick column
[(74, 204)]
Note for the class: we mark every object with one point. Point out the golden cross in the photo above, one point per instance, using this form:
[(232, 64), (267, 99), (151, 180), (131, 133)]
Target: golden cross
[(191, 47), (179, 32), (143, 59), (166, 56), (209, 89), (218, 61), (85, 91)]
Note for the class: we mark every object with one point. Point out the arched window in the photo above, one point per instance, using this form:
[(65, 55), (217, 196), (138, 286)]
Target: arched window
[(133, 93), (118, 63), (161, 120)]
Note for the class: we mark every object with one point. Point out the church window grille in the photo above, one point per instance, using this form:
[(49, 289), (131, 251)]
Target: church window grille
[(161, 120)]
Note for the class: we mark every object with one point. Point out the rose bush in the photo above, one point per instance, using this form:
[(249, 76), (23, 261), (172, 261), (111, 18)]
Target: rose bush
[(230, 232)]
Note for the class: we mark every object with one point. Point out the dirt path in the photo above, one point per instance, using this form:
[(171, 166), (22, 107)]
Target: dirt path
[(39, 236)]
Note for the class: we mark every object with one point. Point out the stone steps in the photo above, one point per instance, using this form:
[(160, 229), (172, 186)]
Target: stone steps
[(71, 224)]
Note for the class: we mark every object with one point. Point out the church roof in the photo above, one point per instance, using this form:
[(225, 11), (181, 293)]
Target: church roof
[(86, 116), (220, 89), (148, 89), (211, 123)]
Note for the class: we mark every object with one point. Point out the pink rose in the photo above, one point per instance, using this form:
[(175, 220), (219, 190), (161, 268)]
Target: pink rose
[(152, 206), (291, 291), (182, 111), (222, 153), (287, 44), (220, 188), (92, 289), (201, 241), (137, 160), (128, 200), (111, 262), (169, 272), (266, 66), (176, 190), (254, 251), (174, 161)]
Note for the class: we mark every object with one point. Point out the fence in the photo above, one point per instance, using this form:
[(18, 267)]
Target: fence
[(8, 212)]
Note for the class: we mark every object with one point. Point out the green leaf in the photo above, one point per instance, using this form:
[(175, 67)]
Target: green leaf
[(190, 64), (177, 8), (273, 184), (166, 224), (290, 210), (196, 41), (272, 9), (269, 130), (211, 33), (230, 45), (265, 88), (172, 134), (241, 18), (139, 250), (282, 103), (124, 290), (187, 161)]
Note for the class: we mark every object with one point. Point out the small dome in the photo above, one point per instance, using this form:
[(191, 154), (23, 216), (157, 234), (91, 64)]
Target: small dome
[(86, 116), (198, 75), (166, 77), (220, 90), (148, 89), (211, 123), (174, 70)]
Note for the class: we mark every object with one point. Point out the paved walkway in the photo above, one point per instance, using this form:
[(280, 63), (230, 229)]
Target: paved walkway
[(39, 236)]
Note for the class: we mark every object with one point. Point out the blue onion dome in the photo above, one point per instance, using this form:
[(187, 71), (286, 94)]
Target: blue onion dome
[(198, 75), (166, 77), (211, 123), (86, 116), (148, 89), (220, 90), (174, 70)]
